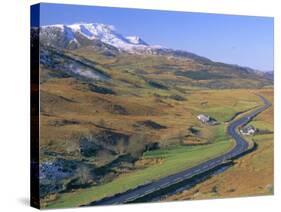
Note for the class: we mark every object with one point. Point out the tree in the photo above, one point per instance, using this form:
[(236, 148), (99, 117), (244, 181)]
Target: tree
[(73, 147), (181, 137), (84, 175), (121, 146), (137, 144)]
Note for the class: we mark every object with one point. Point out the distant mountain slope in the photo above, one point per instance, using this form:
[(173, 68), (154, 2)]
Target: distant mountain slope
[(269, 75), (80, 35), (102, 45)]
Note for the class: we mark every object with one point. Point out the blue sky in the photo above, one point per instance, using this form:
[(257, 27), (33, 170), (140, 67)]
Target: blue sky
[(243, 40)]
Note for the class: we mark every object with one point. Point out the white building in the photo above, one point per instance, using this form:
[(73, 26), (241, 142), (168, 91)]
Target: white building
[(203, 118), (248, 130)]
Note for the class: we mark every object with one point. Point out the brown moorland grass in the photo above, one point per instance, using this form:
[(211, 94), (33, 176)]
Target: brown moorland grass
[(168, 118), (66, 99)]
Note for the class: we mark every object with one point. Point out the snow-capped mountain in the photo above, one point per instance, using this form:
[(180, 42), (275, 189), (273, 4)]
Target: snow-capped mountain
[(76, 35), (106, 39), (136, 40)]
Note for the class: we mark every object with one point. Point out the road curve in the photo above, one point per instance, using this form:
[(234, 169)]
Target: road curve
[(240, 148)]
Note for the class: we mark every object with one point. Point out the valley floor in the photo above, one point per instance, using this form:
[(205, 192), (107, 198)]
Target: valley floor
[(252, 175), (242, 179)]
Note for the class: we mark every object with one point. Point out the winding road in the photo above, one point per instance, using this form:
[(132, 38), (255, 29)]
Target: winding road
[(240, 148)]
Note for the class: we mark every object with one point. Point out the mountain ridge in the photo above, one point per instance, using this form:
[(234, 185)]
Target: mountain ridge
[(77, 35), (104, 40), (93, 31)]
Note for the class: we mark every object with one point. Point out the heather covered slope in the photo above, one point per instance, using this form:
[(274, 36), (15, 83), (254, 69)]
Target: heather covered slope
[(149, 71)]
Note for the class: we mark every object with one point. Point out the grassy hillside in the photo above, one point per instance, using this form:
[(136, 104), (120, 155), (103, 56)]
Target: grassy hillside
[(118, 121), (177, 72)]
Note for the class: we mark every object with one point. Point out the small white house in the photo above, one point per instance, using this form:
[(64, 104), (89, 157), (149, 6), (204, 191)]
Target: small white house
[(248, 130), (207, 119), (203, 118)]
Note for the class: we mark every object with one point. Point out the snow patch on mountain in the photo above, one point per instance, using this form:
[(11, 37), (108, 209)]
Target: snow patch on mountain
[(102, 32), (136, 40)]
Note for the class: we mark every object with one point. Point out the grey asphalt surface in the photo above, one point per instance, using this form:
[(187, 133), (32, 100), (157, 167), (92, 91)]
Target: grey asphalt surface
[(240, 148)]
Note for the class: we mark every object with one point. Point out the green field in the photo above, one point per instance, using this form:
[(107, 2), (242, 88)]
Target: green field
[(175, 159), (252, 174)]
